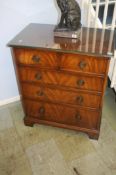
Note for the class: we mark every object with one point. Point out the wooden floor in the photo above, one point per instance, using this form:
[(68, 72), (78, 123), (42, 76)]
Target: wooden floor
[(45, 150)]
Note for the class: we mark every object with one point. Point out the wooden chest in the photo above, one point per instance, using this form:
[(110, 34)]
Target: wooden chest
[(62, 81)]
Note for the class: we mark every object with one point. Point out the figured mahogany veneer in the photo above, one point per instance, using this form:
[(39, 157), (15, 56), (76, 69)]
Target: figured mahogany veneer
[(62, 114), (43, 93), (62, 81), (80, 63), (59, 78), (69, 62), (35, 57)]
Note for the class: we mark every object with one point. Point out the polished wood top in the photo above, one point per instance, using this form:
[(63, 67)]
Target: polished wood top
[(92, 41)]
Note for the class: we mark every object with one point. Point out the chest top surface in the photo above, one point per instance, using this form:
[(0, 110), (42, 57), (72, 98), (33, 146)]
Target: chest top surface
[(92, 41)]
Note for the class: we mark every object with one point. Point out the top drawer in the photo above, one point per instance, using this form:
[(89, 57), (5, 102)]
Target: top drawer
[(36, 57), (61, 61), (83, 63)]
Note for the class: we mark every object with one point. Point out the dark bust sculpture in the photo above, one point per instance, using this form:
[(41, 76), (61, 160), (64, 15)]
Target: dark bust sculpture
[(70, 15)]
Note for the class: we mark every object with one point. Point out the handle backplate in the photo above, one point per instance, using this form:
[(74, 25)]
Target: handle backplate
[(78, 117), (35, 58), (80, 99), (38, 76), (82, 65), (80, 82), (40, 93), (41, 110)]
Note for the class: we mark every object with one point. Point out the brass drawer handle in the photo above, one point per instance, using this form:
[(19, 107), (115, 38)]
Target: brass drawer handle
[(80, 82), (82, 64), (78, 117), (80, 99), (40, 93), (35, 58), (38, 76), (42, 110)]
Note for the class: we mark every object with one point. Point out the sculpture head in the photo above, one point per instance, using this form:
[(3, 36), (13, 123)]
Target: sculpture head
[(70, 15)]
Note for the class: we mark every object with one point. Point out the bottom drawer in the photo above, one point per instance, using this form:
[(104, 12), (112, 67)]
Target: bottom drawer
[(62, 114)]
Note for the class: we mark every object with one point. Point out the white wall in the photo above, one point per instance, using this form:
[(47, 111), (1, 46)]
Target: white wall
[(14, 16)]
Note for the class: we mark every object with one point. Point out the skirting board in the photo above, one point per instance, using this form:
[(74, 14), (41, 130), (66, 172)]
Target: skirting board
[(10, 100)]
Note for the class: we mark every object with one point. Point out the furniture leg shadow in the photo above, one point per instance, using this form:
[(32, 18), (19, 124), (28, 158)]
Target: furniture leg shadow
[(27, 122), (94, 136)]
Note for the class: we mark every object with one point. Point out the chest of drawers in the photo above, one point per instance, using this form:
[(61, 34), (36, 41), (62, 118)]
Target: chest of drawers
[(61, 81)]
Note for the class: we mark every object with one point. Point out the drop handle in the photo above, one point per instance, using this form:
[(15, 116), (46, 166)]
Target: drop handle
[(38, 76), (80, 82), (82, 64), (41, 110), (40, 93), (78, 117), (35, 58), (80, 99)]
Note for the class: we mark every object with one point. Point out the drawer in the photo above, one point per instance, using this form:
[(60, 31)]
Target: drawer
[(82, 63), (36, 57), (60, 96), (62, 114), (61, 79)]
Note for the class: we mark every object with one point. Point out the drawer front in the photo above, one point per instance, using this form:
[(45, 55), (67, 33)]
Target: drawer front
[(60, 96), (36, 57), (61, 79), (62, 114), (82, 63)]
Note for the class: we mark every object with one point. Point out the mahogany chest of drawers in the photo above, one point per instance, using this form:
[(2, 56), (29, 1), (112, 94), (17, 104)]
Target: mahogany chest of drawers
[(62, 81)]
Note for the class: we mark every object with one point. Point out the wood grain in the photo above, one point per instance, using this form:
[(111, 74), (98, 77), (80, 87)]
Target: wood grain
[(62, 114), (70, 62), (61, 79), (82, 63), (60, 96), (36, 57)]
